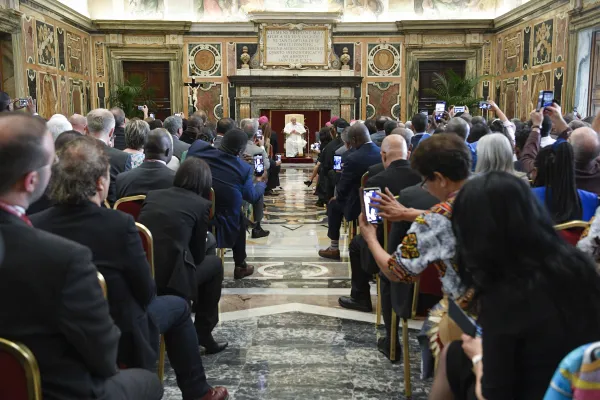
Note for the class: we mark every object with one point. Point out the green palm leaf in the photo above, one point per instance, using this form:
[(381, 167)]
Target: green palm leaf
[(454, 90)]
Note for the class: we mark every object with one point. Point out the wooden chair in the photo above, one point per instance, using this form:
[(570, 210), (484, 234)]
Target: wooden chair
[(106, 204), (102, 283), (148, 244), (571, 231), (213, 210), (20, 378), (131, 205)]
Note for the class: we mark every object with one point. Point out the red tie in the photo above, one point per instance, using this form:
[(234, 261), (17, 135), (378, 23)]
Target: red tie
[(12, 210)]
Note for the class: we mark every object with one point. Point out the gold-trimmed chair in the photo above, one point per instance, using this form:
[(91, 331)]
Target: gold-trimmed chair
[(131, 205), (571, 231), (102, 283), (20, 378), (148, 244), (213, 210)]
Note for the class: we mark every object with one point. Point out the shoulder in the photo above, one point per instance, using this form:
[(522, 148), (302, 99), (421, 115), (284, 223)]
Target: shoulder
[(44, 245), (443, 209)]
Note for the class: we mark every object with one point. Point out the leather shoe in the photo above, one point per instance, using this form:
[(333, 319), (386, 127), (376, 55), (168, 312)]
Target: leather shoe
[(271, 193), (202, 349), (352, 304), (333, 254), (383, 346), (216, 393), (320, 203), (216, 348), (258, 233), (308, 183), (240, 272)]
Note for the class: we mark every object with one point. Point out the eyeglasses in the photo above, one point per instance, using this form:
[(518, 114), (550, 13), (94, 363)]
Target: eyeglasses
[(424, 184)]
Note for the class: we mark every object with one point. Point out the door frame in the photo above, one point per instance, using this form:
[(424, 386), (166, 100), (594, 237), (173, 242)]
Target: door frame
[(473, 67), (173, 55)]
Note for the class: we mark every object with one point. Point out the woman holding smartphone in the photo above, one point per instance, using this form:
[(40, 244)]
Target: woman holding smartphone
[(536, 296)]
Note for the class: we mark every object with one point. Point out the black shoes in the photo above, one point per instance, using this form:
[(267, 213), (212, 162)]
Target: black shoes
[(258, 233), (242, 271), (383, 345), (216, 347), (352, 304), (271, 193), (320, 203), (308, 183)]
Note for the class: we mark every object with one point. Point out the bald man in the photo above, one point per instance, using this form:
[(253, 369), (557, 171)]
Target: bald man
[(153, 173), (586, 148), (347, 202), (397, 176), (79, 123)]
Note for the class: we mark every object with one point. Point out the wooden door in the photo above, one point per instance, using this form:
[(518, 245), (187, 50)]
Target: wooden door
[(156, 75), (594, 107), (426, 71)]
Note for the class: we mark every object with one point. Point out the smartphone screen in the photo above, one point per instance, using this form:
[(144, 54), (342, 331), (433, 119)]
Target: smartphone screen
[(484, 105), (259, 135), (141, 108), (23, 102), (459, 109), (464, 322), (278, 157), (424, 112), (545, 98), (337, 163), (151, 115), (440, 107), (259, 165), (371, 212)]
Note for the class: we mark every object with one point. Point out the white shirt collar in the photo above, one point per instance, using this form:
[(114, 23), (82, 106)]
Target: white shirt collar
[(158, 161)]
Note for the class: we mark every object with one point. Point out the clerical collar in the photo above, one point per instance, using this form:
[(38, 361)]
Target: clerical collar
[(158, 161), (12, 209)]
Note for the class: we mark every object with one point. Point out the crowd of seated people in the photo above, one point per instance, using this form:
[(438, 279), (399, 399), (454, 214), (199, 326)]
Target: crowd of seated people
[(473, 199)]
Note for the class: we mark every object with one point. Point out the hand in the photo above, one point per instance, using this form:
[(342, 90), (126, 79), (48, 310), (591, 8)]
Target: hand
[(451, 112), (145, 111), (493, 105), (367, 230), (31, 105), (471, 346), (467, 110), (259, 142), (277, 163), (248, 158), (263, 178), (537, 117), (388, 206), (555, 113)]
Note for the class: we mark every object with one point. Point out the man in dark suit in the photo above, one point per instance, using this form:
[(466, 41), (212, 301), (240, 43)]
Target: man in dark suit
[(224, 125), (396, 176), (119, 134), (101, 125), (325, 186), (347, 202), (174, 125), (79, 189), (50, 299), (232, 181), (153, 173)]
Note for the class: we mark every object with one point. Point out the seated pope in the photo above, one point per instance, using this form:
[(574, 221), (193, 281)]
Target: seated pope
[(294, 143)]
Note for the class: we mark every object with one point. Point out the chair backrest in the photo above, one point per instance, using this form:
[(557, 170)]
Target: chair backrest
[(147, 243), (213, 200), (131, 205), (299, 118), (20, 378), (571, 231), (102, 283), (363, 180)]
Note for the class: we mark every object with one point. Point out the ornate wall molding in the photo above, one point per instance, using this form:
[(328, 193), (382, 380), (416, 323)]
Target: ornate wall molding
[(147, 40), (156, 26), (57, 10)]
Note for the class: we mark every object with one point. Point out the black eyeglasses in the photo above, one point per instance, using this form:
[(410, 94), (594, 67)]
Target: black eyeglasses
[(423, 183)]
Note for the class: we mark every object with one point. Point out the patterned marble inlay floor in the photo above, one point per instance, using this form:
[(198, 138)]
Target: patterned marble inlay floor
[(289, 338)]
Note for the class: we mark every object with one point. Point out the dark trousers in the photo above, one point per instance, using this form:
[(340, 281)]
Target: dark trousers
[(259, 210), (274, 171), (209, 276), (239, 247), (335, 214), (133, 384), (360, 275), (173, 318), (211, 244), (385, 288)]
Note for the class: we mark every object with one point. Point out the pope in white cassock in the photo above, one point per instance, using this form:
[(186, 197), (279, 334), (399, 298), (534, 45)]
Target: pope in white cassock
[(294, 144)]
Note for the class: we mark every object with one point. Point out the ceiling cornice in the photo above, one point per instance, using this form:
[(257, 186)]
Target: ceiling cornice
[(142, 26), (446, 25), (59, 11), (325, 17), (525, 12)]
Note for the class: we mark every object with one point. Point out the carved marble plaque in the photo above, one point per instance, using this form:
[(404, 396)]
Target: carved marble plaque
[(295, 45)]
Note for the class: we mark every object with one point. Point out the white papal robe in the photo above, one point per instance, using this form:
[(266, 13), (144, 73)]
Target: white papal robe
[(294, 142)]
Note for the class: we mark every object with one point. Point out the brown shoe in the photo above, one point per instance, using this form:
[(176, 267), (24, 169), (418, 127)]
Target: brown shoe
[(240, 272), (216, 393), (333, 254)]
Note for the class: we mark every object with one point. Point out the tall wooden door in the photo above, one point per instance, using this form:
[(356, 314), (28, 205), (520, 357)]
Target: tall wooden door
[(426, 76), (595, 76), (156, 75)]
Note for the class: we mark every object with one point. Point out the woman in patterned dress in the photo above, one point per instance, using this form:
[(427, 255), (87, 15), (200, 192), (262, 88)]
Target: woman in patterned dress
[(136, 133)]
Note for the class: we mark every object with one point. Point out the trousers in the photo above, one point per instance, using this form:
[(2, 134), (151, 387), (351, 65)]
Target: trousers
[(209, 277), (173, 318), (361, 289), (133, 384), (259, 209), (239, 247), (335, 214)]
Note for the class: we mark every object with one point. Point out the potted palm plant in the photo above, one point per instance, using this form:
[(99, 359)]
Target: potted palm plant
[(130, 94), (455, 90)]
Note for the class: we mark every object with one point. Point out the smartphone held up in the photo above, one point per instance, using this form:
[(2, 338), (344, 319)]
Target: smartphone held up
[(259, 165), (371, 213), (545, 99)]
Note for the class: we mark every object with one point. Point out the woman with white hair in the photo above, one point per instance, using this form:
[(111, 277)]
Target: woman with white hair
[(58, 124), (495, 153)]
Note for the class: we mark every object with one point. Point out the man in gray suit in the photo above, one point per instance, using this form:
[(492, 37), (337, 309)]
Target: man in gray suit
[(174, 125)]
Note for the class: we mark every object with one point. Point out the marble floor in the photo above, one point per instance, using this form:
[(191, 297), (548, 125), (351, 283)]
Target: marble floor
[(288, 337)]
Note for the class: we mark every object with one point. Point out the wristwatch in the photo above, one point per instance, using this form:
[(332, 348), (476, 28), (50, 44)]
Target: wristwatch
[(476, 359)]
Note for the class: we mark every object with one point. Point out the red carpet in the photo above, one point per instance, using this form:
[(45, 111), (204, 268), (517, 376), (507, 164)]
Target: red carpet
[(297, 160)]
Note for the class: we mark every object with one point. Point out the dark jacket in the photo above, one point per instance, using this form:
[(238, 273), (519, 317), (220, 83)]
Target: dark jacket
[(179, 147), (119, 138), (418, 198), (326, 186), (119, 162), (150, 175), (118, 253), (50, 301), (376, 169), (232, 182), (178, 220), (355, 167)]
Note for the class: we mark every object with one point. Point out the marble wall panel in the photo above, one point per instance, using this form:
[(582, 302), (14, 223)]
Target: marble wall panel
[(204, 59), (582, 80), (60, 36), (526, 106), (338, 48), (32, 83), (487, 58), (358, 59), (45, 44), (383, 98), (74, 53), (63, 88), (8, 68), (29, 38), (102, 97), (542, 80), (542, 42), (499, 56), (526, 47), (47, 101), (561, 33), (559, 76), (99, 66), (510, 89), (77, 97), (384, 59), (512, 52), (237, 52), (208, 97)]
